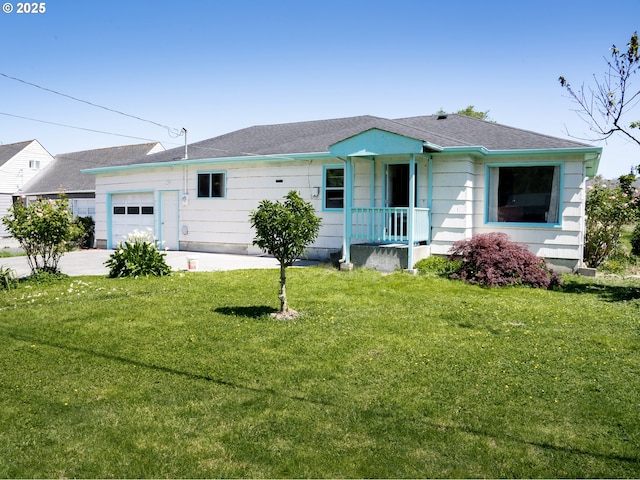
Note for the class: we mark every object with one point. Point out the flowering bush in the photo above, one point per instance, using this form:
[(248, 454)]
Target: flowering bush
[(609, 209), (493, 260), (45, 230), (138, 255)]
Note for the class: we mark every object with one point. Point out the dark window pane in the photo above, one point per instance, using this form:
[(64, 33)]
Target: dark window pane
[(147, 210), (118, 210), (133, 210), (204, 185), (217, 182), (524, 193), (335, 177), (334, 199)]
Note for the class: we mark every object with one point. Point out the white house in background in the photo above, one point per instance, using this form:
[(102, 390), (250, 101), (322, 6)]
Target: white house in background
[(63, 175), (389, 191), (19, 163)]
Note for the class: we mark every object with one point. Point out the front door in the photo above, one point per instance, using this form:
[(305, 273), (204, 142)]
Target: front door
[(397, 185), (397, 196), (169, 234)]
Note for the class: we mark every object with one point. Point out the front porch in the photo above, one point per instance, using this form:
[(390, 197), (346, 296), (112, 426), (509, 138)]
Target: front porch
[(390, 225), (389, 238), (387, 214)]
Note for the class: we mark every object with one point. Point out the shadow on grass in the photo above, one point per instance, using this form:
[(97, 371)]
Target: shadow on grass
[(608, 292), (160, 368), (376, 414), (249, 312)]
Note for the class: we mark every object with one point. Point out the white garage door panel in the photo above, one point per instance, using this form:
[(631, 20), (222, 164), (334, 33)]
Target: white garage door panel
[(130, 212)]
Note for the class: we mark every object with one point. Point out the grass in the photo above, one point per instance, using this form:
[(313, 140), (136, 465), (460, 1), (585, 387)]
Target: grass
[(383, 376)]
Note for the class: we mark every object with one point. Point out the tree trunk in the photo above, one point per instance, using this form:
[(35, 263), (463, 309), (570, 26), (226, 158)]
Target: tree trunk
[(283, 289)]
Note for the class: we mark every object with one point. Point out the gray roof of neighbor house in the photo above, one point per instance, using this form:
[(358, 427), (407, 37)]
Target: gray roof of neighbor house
[(64, 173), (7, 152), (316, 136)]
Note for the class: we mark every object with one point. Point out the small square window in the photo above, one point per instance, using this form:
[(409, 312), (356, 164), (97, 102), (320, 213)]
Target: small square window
[(147, 210), (211, 185), (119, 210), (133, 210)]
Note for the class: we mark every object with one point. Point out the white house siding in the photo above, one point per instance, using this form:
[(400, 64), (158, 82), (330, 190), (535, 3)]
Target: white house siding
[(458, 209), (222, 224), (16, 172), (561, 246), (454, 181)]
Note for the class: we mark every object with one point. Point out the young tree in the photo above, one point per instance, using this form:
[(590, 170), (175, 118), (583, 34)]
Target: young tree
[(284, 230), (45, 230), (605, 107)]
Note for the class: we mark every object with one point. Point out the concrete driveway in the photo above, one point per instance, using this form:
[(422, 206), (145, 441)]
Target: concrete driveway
[(91, 262)]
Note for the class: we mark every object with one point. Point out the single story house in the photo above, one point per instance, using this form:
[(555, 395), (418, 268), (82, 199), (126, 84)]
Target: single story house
[(19, 163), (389, 191), (63, 175)]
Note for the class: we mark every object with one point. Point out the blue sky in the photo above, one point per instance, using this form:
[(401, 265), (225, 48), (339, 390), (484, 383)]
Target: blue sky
[(214, 66)]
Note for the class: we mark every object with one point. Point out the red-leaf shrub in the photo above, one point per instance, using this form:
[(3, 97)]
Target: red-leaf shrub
[(493, 260)]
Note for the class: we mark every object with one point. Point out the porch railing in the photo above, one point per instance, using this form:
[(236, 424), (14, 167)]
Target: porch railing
[(390, 224)]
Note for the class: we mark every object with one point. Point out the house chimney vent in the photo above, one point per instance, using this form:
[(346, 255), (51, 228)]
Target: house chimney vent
[(442, 117)]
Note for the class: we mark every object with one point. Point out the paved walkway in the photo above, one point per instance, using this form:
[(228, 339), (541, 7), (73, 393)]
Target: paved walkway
[(91, 262)]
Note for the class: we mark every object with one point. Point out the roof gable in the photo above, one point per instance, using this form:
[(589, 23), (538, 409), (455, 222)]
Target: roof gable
[(375, 142), (65, 170), (7, 152)]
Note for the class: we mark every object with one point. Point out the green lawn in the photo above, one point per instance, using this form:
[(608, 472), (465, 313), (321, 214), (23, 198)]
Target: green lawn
[(382, 376)]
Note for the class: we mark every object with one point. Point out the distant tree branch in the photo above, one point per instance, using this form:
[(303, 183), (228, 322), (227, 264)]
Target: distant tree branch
[(605, 106)]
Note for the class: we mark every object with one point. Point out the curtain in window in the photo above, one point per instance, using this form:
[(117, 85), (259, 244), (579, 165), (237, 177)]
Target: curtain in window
[(552, 214), (494, 179)]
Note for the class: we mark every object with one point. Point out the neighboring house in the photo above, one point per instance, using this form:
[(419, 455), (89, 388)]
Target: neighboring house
[(19, 163), (389, 191), (63, 175)]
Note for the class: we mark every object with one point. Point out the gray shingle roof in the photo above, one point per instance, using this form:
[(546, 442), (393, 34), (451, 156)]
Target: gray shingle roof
[(7, 152), (65, 170), (317, 136)]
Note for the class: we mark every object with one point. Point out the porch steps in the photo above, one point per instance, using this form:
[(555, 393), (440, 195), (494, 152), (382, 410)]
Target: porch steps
[(386, 258)]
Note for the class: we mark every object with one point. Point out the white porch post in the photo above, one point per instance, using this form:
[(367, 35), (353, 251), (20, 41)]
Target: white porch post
[(348, 204), (412, 207)]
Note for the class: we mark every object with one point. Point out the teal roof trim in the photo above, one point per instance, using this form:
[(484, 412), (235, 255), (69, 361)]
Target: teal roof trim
[(375, 142), (591, 155), (210, 161)]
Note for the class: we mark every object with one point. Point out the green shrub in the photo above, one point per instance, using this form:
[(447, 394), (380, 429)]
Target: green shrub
[(635, 241), (8, 278), (493, 260), (45, 277), (86, 228), (437, 265), (138, 256)]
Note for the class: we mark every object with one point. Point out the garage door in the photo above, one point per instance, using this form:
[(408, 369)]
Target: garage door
[(130, 212)]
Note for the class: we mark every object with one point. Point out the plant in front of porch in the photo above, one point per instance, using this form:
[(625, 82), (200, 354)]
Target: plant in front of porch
[(285, 230), (493, 260)]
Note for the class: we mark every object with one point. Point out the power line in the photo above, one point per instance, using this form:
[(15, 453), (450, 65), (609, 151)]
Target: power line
[(172, 131), (77, 128)]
